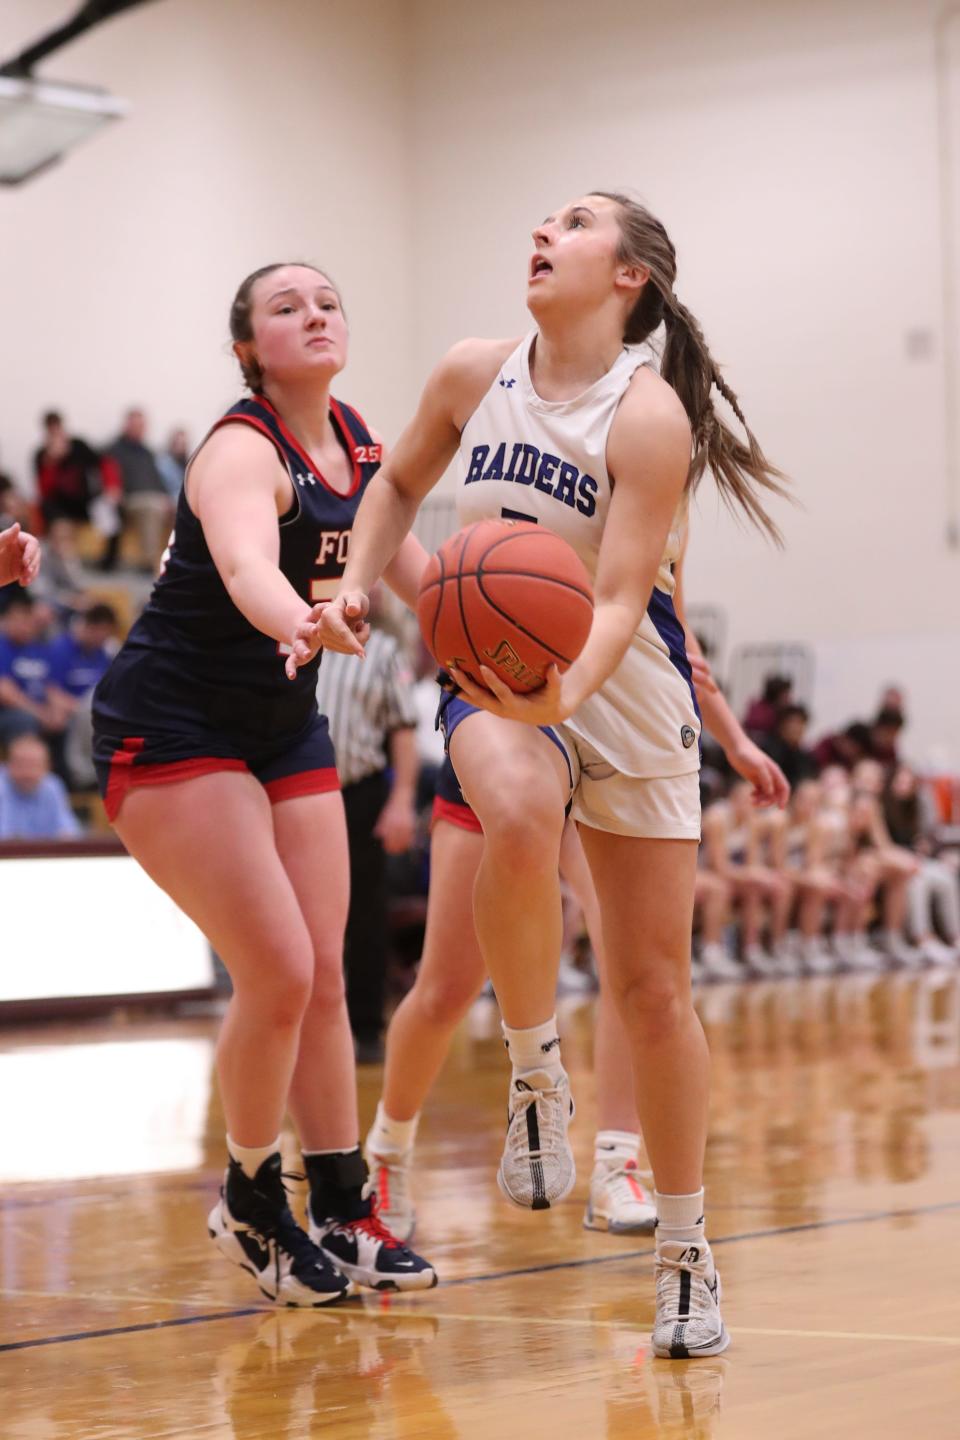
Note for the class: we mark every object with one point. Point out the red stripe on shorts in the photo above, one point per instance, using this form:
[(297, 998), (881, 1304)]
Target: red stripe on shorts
[(124, 775), (305, 782), (460, 815)]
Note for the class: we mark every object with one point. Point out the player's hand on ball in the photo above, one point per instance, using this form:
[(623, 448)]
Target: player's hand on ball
[(770, 785), (546, 706), (305, 642), (343, 625)]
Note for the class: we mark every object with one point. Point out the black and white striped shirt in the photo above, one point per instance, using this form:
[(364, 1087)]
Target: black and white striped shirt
[(364, 700)]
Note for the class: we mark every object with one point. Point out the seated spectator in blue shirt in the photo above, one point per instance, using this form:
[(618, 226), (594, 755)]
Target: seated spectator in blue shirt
[(80, 655), (33, 803), (31, 699)]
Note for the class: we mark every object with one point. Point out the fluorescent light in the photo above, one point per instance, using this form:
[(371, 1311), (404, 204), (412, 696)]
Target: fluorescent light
[(39, 121)]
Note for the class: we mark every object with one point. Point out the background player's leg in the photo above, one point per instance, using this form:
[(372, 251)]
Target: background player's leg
[(617, 1200), (450, 975), (209, 843)]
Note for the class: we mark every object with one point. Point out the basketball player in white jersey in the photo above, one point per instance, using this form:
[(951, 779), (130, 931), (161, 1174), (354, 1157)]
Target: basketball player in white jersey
[(451, 974), (573, 428)]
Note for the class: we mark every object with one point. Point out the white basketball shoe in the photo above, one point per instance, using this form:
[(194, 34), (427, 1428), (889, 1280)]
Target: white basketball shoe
[(537, 1169), (688, 1321)]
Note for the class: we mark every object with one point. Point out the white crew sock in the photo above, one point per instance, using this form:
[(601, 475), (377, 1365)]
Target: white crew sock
[(392, 1137), (613, 1148), (251, 1157), (679, 1219), (535, 1049)]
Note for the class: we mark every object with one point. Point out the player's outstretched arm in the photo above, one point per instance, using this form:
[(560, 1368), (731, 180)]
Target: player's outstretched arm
[(409, 473), (237, 489)]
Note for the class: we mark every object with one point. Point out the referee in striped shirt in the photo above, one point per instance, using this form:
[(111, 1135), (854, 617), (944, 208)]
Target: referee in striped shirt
[(373, 718)]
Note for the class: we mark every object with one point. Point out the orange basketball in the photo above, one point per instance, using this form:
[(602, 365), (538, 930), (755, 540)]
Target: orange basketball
[(509, 595)]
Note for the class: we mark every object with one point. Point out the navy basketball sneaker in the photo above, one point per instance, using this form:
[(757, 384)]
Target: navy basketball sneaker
[(252, 1225), (344, 1220)]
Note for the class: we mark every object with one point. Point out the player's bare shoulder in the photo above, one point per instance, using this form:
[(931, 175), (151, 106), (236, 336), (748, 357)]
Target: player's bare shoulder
[(468, 370), (233, 455), (650, 422)]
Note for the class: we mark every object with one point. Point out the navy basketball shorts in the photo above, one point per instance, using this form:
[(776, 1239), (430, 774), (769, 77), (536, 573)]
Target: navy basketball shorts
[(448, 801), (288, 766)]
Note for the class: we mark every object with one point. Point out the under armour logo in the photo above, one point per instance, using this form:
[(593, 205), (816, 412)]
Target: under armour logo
[(305, 479), (508, 384)]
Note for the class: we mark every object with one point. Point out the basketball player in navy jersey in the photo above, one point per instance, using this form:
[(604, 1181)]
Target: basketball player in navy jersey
[(573, 427), (218, 775)]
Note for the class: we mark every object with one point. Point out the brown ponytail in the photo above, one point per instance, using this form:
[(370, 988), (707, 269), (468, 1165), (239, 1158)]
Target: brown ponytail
[(740, 468)]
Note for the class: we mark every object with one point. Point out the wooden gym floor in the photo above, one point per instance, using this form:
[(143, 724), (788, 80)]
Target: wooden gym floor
[(833, 1190)]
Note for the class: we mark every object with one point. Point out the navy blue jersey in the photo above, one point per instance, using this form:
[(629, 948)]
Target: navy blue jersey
[(192, 655)]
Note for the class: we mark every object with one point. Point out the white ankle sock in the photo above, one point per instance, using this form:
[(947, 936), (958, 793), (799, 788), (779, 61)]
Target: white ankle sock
[(535, 1049), (392, 1137), (614, 1147), (251, 1157), (679, 1218)]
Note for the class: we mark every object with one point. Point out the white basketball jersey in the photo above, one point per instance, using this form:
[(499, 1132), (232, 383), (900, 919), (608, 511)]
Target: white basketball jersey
[(526, 458)]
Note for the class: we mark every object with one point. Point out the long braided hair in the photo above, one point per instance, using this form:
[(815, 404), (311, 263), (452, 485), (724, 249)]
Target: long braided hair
[(742, 471)]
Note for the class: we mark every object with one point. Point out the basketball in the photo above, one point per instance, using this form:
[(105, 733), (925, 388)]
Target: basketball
[(506, 594)]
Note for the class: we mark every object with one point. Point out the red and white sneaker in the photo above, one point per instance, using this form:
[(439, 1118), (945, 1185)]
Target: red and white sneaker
[(390, 1177), (365, 1250), (618, 1201)]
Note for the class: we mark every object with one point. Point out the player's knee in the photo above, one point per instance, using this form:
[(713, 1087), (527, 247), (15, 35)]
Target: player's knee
[(282, 989), (653, 1001), (444, 1000), (329, 988), (523, 827)]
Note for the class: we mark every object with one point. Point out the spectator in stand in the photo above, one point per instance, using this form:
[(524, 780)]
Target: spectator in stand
[(885, 731), (895, 866), (172, 462), (33, 803), (762, 713), (786, 746), (145, 502), (82, 654), (31, 700), (846, 748), (62, 582), (934, 892), (69, 474), (893, 697), (373, 720)]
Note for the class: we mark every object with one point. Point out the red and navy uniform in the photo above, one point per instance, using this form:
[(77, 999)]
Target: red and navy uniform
[(448, 801), (196, 688)]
